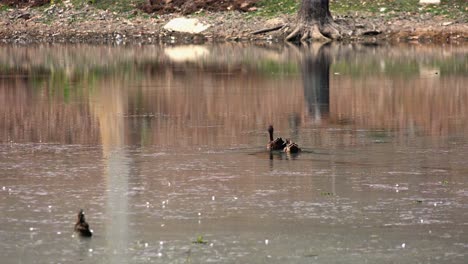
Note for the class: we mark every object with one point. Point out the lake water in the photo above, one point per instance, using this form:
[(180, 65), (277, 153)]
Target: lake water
[(164, 145)]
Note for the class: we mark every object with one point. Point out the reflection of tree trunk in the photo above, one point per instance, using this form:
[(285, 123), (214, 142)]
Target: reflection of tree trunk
[(316, 78)]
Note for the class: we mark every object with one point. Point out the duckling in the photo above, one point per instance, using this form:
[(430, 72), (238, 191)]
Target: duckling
[(291, 147), (277, 144), (81, 227)]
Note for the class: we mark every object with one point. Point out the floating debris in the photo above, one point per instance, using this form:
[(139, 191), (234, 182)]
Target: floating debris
[(212, 198), (403, 245), (267, 241)]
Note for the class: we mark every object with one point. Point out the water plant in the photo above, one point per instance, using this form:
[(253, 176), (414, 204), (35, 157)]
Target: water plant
[(200, 240)]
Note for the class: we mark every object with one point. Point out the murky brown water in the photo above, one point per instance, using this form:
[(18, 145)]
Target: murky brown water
[(160, 145)]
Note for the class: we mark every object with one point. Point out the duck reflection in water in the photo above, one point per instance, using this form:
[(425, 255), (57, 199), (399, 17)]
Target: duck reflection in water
[(81, 227)]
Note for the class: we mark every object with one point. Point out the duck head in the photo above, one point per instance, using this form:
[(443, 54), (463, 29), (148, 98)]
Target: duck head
[(81, 216), (270, 131)]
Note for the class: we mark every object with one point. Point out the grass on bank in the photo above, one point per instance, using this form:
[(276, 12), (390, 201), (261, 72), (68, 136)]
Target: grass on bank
[(447, 8), (272, 8)]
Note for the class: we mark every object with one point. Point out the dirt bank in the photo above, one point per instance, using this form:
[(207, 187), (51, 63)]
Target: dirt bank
[(66, 24)]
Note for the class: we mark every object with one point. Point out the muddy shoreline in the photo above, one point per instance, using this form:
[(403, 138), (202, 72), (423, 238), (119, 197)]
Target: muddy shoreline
[(68, 25)]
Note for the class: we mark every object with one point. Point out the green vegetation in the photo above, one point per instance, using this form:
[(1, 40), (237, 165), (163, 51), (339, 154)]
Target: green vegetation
[(200, 240), (4, 7), (272, 8), (448, 8), (121, 6)]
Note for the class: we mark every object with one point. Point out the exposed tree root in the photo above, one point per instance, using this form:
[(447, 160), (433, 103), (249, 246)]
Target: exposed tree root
[(314, 32), (332, 30)]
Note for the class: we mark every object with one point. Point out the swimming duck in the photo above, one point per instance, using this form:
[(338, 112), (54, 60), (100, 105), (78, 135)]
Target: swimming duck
[(81, 227), (291, 147), (277, 144)]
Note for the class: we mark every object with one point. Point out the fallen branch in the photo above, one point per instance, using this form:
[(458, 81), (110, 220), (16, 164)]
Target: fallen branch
[(265, 30)]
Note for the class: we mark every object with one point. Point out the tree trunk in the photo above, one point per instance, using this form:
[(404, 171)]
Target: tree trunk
[(314, 22)]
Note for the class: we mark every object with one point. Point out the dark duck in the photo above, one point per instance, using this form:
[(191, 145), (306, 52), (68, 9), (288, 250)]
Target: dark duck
[(81, 227), (276, 144), (279, 144), (291, 147)]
